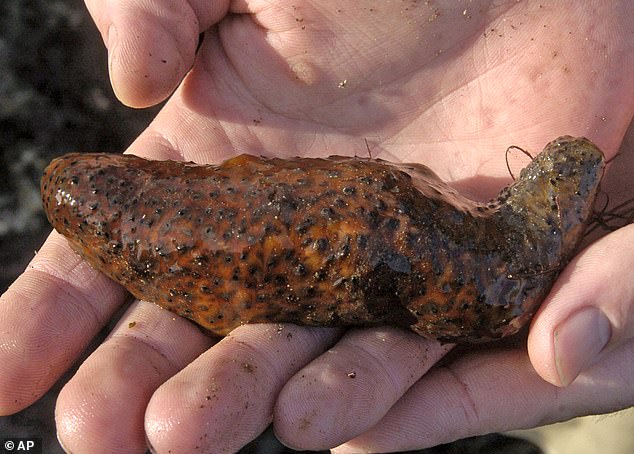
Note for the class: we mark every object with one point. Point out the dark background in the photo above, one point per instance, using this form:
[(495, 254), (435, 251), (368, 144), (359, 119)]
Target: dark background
[(55, 98)]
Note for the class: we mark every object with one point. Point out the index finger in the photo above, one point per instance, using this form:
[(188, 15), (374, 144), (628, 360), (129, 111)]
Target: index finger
[(47, 318)]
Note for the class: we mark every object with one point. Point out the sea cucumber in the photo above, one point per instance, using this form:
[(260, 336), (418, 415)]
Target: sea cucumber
[(327, 242)]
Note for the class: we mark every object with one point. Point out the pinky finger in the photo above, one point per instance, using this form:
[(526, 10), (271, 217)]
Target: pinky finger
[(494, 392)]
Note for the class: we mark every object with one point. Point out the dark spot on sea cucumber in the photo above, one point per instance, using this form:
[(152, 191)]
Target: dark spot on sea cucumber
[(349, 190), (321, 244)]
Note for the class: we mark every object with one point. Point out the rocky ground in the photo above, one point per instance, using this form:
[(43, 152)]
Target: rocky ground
[(55, 98)]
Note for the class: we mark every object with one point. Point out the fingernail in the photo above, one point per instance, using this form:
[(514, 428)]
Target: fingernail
[(112, 37), (578, 341), (111, 44)]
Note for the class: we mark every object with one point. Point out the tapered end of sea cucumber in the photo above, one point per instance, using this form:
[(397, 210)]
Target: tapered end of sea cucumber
[(56, 184), (77, 187)]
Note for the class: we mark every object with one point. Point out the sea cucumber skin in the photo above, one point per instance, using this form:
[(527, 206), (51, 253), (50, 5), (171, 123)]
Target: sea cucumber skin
[(327, 242)]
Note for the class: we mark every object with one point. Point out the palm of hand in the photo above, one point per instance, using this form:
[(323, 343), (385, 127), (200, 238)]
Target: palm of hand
[(449, 89)]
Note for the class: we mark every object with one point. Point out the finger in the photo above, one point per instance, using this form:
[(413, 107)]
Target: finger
[(494, 391), (225, 398), (151, 44), (102, 407), (589, 310), (48, 316), (349, 389)]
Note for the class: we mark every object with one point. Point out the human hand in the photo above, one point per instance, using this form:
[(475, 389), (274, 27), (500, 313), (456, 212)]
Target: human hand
[(422, 83)]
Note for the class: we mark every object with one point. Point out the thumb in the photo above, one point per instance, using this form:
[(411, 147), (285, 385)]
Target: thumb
[(151, 43), (589, 311)]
